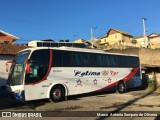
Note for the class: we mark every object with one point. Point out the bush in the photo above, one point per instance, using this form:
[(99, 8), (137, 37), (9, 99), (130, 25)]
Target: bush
[(151, 81)]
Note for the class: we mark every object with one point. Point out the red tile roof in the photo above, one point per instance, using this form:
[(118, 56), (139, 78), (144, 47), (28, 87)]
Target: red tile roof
[(119, 31), (9, 49)]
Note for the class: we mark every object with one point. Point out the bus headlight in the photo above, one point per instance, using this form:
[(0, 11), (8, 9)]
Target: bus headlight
[(17, 91)]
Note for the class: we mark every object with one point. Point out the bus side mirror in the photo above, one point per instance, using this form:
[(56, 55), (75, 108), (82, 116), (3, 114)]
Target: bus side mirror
[(28, 66), (7, 65)]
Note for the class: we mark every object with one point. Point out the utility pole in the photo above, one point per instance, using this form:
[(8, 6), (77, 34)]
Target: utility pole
[(144, 30), (92, 32)]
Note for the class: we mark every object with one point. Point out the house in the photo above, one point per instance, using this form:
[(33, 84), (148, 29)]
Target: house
[(93, 42), (7, 53), (103, 40), (115, 36), (79, 41), (7, 38), (89, 43), (154, 40), (141, 41)]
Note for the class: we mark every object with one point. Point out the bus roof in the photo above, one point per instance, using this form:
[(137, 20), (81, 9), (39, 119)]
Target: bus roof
[(78, 50)]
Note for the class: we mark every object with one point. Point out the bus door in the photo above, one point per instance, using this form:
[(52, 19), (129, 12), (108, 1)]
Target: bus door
[(38, 68)]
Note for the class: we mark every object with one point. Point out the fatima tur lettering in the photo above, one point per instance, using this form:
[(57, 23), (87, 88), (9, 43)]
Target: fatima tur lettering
[(86, 73)]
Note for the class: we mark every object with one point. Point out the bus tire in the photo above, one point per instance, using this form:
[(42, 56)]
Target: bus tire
[(121, 87), (57, 94)]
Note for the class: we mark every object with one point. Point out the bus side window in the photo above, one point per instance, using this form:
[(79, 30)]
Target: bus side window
[(62, 44), (85, 59), (96, 60), (34, 69), (108, 62), (114, 60), (99, 60), (54, 44), (76, 59), (67, 58), (57, 58), (69, 44), (134, 62), (39, 44), (93, 60), (124, 61), (39, 63)]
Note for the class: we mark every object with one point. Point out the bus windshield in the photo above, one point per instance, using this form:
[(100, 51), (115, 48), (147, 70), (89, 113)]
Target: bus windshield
[(18, 68)]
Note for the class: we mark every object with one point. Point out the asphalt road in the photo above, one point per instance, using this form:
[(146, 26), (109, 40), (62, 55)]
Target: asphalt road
[(146, 102)]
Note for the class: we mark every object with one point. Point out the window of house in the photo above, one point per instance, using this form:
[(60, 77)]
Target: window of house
[(115, 36)]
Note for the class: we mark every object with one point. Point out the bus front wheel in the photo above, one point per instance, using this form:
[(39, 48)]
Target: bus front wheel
[(57, 94), (121, 87)]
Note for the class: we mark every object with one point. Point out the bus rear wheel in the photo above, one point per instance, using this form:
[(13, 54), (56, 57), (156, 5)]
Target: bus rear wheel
[(121, 87), (57, 94)]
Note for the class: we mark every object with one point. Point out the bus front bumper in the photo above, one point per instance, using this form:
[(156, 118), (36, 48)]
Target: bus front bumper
[(19, 96)]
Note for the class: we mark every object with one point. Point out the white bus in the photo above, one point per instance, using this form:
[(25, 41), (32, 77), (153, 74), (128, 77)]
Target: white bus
[(55, 73)]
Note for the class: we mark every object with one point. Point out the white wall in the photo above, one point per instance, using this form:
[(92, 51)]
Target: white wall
[(141, 41), (3, 73)]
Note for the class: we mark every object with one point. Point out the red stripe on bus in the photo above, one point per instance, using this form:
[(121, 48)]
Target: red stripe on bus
[(131, 74), (127, 78), (49, 68)]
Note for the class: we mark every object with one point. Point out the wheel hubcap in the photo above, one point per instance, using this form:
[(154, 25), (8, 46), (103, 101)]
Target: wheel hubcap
[(121, 87), (57, 93)]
